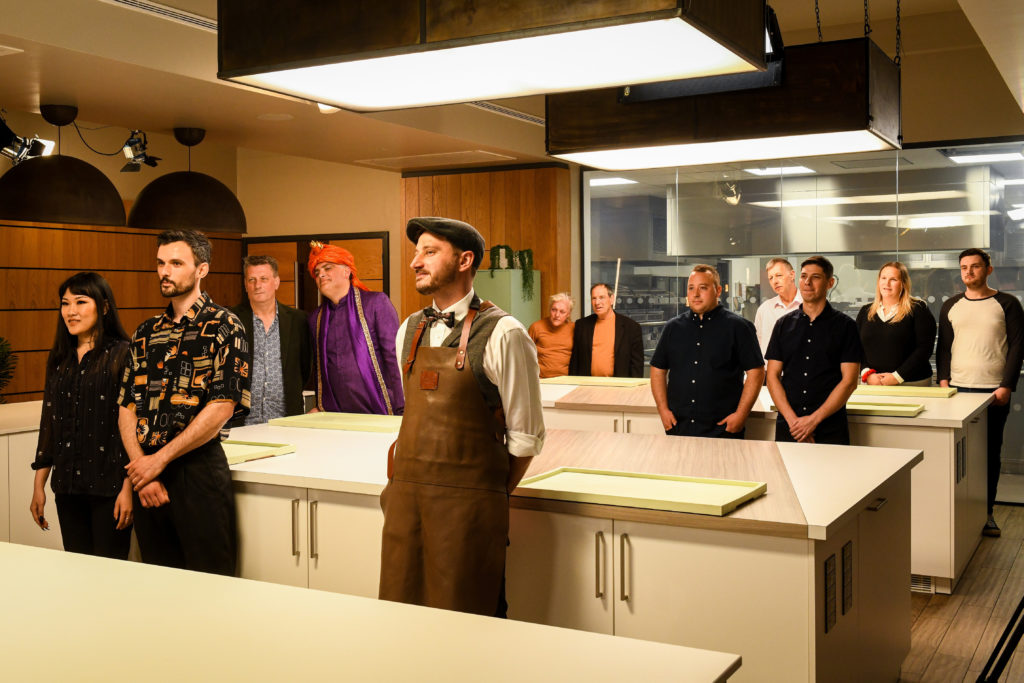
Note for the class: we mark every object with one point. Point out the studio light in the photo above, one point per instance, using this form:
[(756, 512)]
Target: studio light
[(135, 151), (17, 148), (395, 54), (835, 97)]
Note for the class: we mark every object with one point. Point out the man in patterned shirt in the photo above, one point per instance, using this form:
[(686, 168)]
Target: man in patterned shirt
[(188, 376)]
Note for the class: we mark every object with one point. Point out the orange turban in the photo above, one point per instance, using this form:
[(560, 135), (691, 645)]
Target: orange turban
[(328, 253)]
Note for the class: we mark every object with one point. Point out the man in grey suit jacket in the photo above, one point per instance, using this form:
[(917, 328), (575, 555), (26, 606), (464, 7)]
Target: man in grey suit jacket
[(279, 340)]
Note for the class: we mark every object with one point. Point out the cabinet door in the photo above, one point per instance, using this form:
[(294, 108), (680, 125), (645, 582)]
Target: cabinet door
[(838, 594), (584, 420), (21, 453), (931, 480), (730, 592), (976, 454), (884, 559), (558, 570), (344, 542), (643, 423), (5, 503), (272, 533)]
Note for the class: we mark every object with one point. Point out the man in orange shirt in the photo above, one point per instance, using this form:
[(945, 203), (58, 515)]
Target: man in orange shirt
[(605, 344), (553, 337)]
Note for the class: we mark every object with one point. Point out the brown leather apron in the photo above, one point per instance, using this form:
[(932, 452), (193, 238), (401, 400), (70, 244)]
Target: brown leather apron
[(446, 504)]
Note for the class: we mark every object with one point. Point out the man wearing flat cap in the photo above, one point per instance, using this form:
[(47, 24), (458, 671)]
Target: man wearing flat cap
[(472, 424), (353, 334)]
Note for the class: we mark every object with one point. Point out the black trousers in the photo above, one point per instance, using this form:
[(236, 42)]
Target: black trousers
[(87, 526), (834, 429), (196, 529), (996, 422)]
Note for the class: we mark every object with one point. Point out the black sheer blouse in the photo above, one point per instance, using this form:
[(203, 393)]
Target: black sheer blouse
[(78, 434)]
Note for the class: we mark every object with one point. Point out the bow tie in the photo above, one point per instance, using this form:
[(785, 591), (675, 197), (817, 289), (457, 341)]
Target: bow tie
[(432, 315)]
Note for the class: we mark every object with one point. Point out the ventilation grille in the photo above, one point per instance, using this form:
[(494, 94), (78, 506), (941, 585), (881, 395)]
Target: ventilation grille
[(165, 12), (921, 584), (476, 156), (505, 111)]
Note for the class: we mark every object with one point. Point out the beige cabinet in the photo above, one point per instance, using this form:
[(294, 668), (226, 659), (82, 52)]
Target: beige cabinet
[(766, 598), (5, 509), (603, 421), (272, 527), (559, 570), (21, 452), (309, 538), (344, 542)]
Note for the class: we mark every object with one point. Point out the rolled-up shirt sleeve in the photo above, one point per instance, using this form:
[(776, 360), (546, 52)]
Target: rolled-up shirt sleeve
[(510, 362)]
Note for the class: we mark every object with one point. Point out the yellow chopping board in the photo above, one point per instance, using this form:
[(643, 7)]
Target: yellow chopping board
[(244, 451), (649, 491), (904, 390), (352, 422)]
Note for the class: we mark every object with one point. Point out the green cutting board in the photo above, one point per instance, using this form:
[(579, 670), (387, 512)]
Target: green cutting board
[(244, 451), (648, 491), (904, 390), (597, 381), (352, 422)]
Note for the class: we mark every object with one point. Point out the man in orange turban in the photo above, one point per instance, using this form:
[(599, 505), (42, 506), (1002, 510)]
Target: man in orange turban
[(353, 332)]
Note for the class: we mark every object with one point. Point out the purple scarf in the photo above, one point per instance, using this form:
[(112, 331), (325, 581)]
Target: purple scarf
[(360, 345)]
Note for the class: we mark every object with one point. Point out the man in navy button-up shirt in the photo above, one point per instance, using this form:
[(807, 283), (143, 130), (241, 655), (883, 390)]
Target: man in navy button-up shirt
[(813, 363), (707, 349)]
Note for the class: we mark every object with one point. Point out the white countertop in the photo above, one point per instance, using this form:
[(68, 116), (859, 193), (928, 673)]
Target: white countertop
[(829, 481), (549, 393), (20, 417), (76, 617)]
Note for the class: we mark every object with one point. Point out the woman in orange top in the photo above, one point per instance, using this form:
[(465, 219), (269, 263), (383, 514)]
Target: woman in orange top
[(553, 337)]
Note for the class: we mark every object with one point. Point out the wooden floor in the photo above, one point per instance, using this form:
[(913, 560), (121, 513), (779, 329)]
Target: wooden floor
[(953, 635)]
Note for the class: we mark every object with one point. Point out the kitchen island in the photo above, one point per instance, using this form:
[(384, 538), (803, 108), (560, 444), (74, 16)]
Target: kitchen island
[(70, 617), (949, 487)]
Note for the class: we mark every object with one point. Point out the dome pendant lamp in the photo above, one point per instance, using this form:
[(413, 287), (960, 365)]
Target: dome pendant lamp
[(58, 188), (187, 199)]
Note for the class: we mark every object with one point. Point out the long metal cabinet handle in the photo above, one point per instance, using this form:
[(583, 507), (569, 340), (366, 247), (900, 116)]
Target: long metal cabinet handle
[(615, 425), (599, 565), (295, 527), (623, 581), (878, 504), (629, 426), (314, 552)]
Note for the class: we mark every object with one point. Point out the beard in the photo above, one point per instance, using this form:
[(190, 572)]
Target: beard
[(177, 289), (442, 278)]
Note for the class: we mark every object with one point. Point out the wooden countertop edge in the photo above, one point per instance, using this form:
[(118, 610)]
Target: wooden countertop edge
[(663, 517)]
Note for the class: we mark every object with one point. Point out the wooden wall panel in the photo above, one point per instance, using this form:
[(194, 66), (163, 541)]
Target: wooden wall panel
[(37, 257), (523, 208)]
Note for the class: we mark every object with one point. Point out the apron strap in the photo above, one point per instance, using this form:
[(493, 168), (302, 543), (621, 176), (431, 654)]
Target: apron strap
[(467, 322), (415, 345)]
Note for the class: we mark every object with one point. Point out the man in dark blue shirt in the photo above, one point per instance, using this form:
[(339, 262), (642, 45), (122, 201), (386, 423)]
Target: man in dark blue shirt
[(707, 349), (813, 362)]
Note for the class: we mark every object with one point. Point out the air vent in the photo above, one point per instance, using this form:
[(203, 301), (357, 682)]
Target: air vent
[(165, 12), (921, 584), (881, 163), (476, 156), (505, 111)]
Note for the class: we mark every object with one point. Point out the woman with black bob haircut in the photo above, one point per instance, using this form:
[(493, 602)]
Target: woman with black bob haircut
[(79, 442)]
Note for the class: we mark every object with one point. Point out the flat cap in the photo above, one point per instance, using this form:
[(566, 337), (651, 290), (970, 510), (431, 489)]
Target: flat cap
[(462, 235)]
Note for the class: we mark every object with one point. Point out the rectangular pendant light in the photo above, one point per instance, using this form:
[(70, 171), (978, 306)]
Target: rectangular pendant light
[(394, 54), (835, 97)]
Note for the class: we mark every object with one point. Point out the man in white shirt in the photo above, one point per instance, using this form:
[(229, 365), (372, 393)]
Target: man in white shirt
[(472, 423), (782, 279)]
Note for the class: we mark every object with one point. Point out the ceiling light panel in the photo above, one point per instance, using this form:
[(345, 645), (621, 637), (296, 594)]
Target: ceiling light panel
[(407, 53)]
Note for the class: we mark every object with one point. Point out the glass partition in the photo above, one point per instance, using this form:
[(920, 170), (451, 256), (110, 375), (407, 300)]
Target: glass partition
[(644, 230)]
